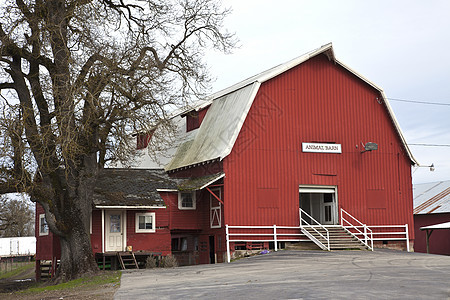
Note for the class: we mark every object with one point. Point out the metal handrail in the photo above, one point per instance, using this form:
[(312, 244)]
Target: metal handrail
[(311, 226), (366, 228)]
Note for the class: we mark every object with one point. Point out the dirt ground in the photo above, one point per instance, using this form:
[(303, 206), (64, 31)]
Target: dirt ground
[(10, 289)]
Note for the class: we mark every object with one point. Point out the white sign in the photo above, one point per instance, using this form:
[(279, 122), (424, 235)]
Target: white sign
[(321, 148)]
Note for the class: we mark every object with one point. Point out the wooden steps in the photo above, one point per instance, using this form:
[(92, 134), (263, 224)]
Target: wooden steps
[(127, 260), (47, 269)]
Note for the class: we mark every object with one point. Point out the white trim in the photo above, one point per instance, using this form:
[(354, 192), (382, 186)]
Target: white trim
[(124, 236), (129, 207), (325, 189), (215, 211), (42, 217), (90, 223), (103, 231), (151, 214), (194, 201), (167, 190), (211, 181)]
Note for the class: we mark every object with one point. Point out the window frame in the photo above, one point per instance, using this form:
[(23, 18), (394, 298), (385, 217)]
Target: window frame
[(42, 233), (144, 214), (194, 201)]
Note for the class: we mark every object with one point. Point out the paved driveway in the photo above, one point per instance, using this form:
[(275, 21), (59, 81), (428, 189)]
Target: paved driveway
[(382, 274)]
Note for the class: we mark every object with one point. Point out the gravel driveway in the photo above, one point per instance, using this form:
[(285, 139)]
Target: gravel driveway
[(382, 274)]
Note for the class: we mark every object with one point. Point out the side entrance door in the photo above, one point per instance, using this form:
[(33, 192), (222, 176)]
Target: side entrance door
[(114, 231)]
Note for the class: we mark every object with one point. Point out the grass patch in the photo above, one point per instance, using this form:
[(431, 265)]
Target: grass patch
[(108, 277), (24, 267)]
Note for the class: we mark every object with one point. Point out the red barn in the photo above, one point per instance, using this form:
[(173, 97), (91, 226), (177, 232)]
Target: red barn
[(432, 207), (299, 152)]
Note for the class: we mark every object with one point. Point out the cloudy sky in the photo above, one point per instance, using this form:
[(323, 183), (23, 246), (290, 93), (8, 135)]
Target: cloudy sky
[(402, 46)]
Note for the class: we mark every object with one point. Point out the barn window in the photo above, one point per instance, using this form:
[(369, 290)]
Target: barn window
[(145, 222), (186, 200), (43, 226)]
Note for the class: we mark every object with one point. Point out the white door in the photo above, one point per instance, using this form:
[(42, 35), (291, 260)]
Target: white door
[(328, 213), (114, 231)]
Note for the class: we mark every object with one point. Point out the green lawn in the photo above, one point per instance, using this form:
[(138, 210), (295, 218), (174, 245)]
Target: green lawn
[(17, 268)]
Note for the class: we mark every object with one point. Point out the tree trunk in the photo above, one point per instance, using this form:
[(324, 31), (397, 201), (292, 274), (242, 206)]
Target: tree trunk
[(76, 255)]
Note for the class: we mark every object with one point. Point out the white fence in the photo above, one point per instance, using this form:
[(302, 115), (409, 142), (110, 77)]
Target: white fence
[(275, 234)]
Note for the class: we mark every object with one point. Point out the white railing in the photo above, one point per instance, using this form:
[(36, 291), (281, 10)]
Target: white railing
[(308, 234), (273, 234), (389, 233), (367, 234)]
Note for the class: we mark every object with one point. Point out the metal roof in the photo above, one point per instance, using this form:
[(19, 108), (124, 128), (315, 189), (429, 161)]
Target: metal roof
[(229, 108), (445, 225), (216, 135), (432, 197), (131, 188)]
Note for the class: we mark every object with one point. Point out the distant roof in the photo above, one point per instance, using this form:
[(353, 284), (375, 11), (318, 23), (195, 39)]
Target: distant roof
[(432, 197), (215, 137), (445, 225), (131, 187)]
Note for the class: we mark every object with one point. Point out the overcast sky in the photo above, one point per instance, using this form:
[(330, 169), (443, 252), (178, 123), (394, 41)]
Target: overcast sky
[(402, 46)]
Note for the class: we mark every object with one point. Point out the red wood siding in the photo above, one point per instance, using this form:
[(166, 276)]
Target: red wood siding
[(47, 246), (439, 239), (317, 101), (158, 241)]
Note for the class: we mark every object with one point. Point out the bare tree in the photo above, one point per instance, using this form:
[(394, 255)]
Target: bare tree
[(16, 218), (78, 76)]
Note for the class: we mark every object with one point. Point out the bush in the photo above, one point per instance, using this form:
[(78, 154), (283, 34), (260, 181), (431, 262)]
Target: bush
[(151, 262), (169, 261)]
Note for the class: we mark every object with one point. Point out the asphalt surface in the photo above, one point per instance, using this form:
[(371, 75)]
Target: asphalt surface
[(382, 274)]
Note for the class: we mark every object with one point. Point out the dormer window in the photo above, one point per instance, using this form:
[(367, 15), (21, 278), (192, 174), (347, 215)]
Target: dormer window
[(195, 118), (142, 139), (192, 121)]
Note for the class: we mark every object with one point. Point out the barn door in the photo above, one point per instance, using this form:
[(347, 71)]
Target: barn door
[(320, 203)]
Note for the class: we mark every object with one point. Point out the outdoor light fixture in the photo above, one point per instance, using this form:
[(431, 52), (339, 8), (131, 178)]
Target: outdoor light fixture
[(370, 147), (432, 168)]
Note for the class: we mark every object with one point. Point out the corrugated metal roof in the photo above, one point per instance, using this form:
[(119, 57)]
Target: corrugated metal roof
[(218, 132), (445, 225), (216, 135), (432, 197)]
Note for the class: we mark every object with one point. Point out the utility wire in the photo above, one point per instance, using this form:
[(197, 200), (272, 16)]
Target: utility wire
[(419, 102), (430, 145)]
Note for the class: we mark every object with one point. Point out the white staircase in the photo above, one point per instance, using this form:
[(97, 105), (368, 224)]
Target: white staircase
[(339, 238), (336, 237)]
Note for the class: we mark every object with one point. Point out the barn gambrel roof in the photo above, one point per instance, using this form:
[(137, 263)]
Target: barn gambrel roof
[(215, 137)]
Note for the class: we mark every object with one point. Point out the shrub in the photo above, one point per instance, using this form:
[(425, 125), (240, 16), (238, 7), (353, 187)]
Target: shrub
[(151, 262), (169, 261)]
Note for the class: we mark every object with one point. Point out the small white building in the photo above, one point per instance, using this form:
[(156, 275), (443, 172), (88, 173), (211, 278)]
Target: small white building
[(17, 246)]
